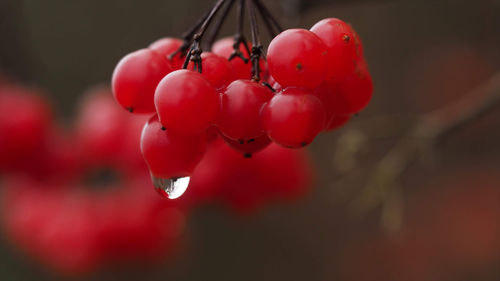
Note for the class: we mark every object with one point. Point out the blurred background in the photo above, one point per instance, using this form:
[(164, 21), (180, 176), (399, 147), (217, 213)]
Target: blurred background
[(437, 219)]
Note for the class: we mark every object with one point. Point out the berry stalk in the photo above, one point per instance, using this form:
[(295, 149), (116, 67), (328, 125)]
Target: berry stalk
[(257, 49), (220, 22), (239, 38), (195, 51), (188, 37), (267, 14)]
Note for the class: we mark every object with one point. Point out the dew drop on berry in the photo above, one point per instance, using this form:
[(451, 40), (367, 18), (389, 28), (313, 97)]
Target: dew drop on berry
[(171, 188)]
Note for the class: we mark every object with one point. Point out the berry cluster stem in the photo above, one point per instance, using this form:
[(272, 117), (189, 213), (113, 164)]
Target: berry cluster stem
[(239, 38), (191, 48), (195, 51), (220, 22), (257, 49), (188, 37), (268, 18)]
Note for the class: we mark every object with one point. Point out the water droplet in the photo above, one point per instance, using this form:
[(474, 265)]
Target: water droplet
[(171, 188)]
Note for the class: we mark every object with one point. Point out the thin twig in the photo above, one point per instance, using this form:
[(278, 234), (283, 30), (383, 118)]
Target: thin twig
[(239, 38), (265, 12), (270, 28), (428, 131), (188, 37), (195, 51), (216, 30), (257, 49)]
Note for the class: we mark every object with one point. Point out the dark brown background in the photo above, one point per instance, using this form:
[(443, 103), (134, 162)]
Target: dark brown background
[(422, 54)]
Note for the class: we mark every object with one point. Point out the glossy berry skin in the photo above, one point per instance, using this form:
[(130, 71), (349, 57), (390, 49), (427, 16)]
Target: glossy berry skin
[(169, 154), (343, 46), (249, 147), (242, 70), (216, 69), (166, 47), (294, 117), (349, 96), (358, 43), (135, 79), (297, 57), (241, 104), (186, 102)]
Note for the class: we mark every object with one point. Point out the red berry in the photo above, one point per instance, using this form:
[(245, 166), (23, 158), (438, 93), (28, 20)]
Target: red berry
[(286, 173), (135, 79), (169, 154), (297, 57), (277, 87), (208, 177), (294, 117), (348, 96), (25, 121), (186, 102), (242, 70), (250, 146), (217, 70), (166, 47), (212, 134), (56, 161), (68, 241), (337, 121), (343, 52), (99, 126), (241, 105), (78, 229), (106, 134), (358, 43), (275, 173), (136, 223)]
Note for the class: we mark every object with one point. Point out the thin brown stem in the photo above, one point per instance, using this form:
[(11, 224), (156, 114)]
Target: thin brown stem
[(266, 13), (188, 37), (428, 131), (216, 30), (257, 49), (195, 51), (239, 38), (270, 28)]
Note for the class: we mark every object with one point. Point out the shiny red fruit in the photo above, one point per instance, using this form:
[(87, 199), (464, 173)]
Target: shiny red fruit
[(186, 102), (241, 104), (294, 117), (242, 70), (349, 96), (216, 69), (169, 154), (297, 57), (135, 79), (167, 46), (250, 146), (344, 47)]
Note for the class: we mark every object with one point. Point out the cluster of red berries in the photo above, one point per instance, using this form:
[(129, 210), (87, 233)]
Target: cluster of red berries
[(314, 81), (50, 187), (83, 222)]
